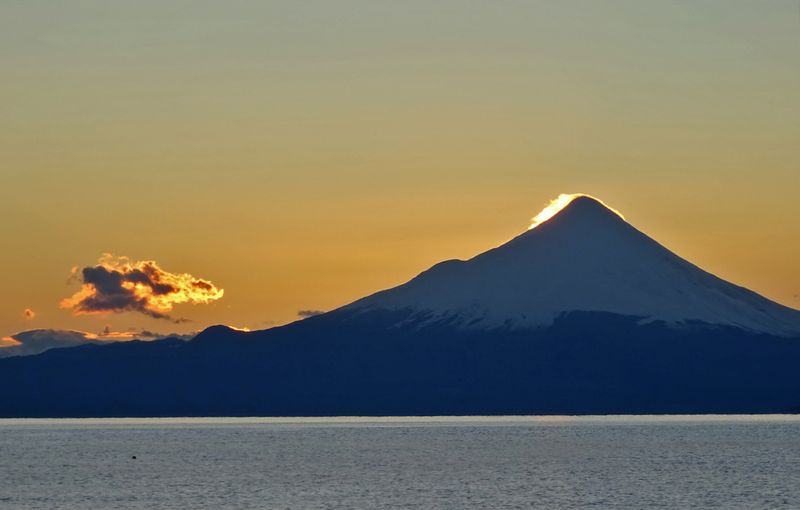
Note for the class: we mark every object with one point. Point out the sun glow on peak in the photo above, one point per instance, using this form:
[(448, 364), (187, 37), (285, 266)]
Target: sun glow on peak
[(556, 205)]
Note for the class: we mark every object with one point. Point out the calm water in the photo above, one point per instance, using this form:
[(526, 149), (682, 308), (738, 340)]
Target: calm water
[(550, 462)]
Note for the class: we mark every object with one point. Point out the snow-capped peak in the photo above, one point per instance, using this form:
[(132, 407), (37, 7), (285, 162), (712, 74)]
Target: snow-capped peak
[(563, 200), (583, 257)]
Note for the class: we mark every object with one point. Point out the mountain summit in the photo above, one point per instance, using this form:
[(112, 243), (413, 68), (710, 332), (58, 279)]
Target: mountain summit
[(586, 257), (581, 314)]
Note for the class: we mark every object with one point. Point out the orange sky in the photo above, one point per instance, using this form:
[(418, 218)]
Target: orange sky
[(301, 155)]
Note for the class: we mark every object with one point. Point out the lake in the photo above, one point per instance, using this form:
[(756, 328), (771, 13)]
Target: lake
[(724, 462)]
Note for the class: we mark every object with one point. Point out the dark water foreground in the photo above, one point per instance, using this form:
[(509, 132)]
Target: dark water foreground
[(544, 462)]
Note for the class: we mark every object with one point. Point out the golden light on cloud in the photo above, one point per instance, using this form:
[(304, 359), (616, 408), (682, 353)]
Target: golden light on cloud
[(35, 341), (7, 341), (118, 284), (28, 314), (109, 334), (557, 204)]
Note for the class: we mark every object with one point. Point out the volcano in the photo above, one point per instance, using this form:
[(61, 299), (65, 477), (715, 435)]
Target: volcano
[(585, 258), (581, 314)]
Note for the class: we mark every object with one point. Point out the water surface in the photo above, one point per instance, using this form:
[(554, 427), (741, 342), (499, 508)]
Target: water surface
[(448, 462)]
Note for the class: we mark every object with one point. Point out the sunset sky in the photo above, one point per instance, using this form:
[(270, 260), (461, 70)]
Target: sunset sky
[(300, 155)]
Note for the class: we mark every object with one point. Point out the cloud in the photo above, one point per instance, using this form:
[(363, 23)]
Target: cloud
[(149, 334), (28, 314), (8, 341), (40, 340), (118, 284), (108, 334), (36, 341), (309, 313)]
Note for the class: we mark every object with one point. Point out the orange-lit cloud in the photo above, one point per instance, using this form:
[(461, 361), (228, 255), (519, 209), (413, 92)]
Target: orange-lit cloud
[(109, 334), (8, 341), (559, 203), (118, 284), (309, 313), (36, 341), (28, 314)]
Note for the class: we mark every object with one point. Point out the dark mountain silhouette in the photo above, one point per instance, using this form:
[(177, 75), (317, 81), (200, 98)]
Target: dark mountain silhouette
[(583, 314)]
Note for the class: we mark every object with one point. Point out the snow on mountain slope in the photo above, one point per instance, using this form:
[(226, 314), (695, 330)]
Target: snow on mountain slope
[(585, 258)]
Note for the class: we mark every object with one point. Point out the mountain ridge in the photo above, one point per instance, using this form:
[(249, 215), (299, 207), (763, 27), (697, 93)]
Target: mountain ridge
[(446, 343)]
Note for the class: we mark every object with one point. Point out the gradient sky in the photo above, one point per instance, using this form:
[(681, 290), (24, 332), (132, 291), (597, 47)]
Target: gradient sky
[(300, 155)]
